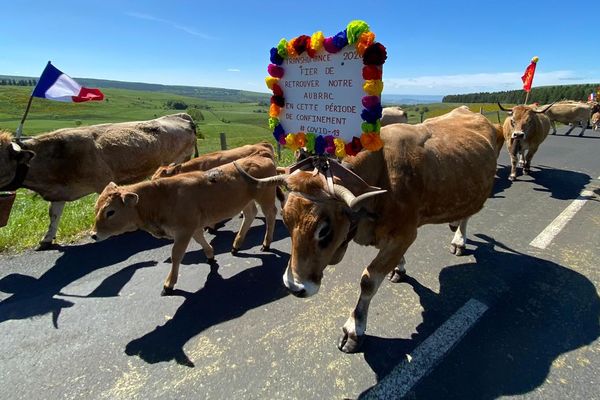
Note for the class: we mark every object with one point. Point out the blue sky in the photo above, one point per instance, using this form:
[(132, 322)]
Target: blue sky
[(434, 47)]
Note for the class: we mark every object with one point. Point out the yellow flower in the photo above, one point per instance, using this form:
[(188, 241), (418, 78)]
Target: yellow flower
[(316, 41), (373, 87), (290, 142), (270, 81), (290, 49), (340, 148)]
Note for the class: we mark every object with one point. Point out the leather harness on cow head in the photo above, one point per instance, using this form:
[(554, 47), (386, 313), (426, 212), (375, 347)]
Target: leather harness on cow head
[(330, 168), (20, 172)]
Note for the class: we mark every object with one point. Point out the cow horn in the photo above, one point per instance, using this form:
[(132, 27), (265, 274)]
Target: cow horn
[(545, 109), (261, 182), (502, 108), (346, 195)]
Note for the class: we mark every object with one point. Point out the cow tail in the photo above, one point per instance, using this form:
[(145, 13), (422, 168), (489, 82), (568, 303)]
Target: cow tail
[(280, 196), (196, 152)]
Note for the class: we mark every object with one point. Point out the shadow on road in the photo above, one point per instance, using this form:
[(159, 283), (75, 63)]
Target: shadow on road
[(549, 310), (560, 183), (35, 296), (217, 301)]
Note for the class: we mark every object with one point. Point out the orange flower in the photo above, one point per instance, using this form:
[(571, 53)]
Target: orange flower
[(364, 41), (274, 111), (300, 139), (371, 141), (291, 51)]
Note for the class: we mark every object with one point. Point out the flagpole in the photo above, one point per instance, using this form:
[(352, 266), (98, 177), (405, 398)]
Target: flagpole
[(20, 127), (526, 97)]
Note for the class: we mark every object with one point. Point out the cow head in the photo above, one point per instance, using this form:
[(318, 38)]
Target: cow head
[(115, 211), (166, 171), (11, 156), (522, 122), (320, 225)]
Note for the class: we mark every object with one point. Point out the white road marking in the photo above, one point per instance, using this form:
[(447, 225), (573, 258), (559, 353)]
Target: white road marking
[(545, 238), (426, 356)]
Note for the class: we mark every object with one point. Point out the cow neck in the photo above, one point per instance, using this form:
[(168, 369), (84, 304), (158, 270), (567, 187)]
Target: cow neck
[(18, 179)]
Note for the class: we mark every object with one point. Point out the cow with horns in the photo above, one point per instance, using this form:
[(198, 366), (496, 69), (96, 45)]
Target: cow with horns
[(440, 171), (525, 128)]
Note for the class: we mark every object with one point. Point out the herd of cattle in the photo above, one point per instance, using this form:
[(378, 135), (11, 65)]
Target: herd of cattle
[(439, 171)]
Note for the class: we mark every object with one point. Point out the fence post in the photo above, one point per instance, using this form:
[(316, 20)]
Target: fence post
[(278, 151), (223, 141), (422, 117), (481, 110), (498, 111)]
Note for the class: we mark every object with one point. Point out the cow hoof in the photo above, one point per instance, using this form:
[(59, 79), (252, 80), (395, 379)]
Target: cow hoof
[(348, 344), (265, 248), (211, 261), (512, 177), (166, 291), (526, 171), (453, 228), (44, 246), (397, 276), (234, 251), (457, 250), (212, 231)]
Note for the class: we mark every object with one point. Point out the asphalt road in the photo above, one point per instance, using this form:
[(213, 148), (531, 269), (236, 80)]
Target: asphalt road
[(88, 321)]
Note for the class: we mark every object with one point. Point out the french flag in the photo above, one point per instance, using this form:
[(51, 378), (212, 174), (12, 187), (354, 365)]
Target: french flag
[(55, 85)]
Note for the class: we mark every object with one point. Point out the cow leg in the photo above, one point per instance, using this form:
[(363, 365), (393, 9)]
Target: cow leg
[(250, 212), (530, 154), (55, 211), (399, 272), (209, 252), (177, 252), (553, 127), (269, 210), (356, 325), (458, 244), (583, 127), (513, 167)]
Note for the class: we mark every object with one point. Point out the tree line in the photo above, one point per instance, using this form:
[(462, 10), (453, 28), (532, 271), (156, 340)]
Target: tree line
[(542, 95), (18, 82)]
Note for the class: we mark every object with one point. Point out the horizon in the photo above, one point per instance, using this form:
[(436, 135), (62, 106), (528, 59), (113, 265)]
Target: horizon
[(446, 51)]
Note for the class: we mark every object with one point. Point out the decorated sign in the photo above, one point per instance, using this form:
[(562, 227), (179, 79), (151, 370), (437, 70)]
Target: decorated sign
[(326, 91)]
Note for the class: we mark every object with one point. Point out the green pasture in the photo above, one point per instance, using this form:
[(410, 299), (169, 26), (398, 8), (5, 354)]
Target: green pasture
[(242, 123)]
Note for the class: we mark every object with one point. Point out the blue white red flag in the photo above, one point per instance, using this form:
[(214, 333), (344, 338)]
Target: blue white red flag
[(55, 85)]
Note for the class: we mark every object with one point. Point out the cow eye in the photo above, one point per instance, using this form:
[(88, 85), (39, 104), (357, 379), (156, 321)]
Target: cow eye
[(324, 235), (110, 213), (512, 122)]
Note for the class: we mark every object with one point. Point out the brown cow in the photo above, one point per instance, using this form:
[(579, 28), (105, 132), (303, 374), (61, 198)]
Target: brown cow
[(393, 115), (525, 128), (73, 162), (569, 112), (179, 207), (596, 121), (440, 171)]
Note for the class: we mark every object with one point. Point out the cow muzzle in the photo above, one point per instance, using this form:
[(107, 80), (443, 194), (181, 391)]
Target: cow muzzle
[(518, 135), (298, 289)]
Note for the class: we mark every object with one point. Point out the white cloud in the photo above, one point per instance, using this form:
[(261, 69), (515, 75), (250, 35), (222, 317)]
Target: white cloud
[(174, 25), (233, 70), (481, 82)]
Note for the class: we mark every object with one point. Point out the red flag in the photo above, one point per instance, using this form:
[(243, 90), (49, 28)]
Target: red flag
[(527, 77)]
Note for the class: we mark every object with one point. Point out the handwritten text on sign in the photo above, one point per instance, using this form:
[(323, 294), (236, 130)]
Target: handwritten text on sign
[(323, 94)]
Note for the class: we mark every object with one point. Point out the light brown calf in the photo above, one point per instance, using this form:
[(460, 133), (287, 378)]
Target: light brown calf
[(207, 161), (179, 207)]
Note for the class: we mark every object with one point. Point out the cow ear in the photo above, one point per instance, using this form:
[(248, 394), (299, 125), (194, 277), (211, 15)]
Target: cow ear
[(129, 199), (112, 185)]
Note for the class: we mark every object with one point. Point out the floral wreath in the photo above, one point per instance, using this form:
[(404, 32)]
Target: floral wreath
[(374, 54)]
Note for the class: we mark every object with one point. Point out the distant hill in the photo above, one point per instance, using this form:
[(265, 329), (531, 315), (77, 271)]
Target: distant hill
[(206, 93), (540, 94), (411, 99)]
